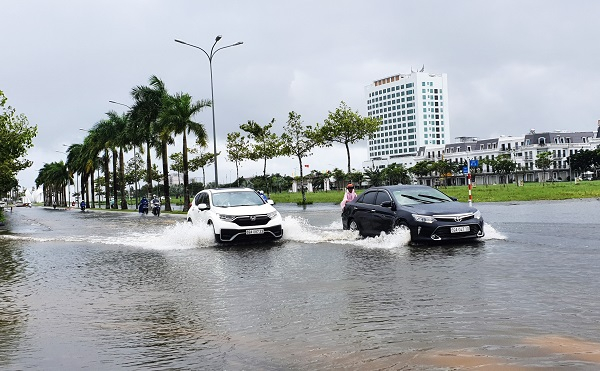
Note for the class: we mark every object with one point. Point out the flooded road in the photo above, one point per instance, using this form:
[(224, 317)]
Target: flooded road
[(107, 290)]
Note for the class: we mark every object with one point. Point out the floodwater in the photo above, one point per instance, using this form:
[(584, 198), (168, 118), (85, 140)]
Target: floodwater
[(106, 291)]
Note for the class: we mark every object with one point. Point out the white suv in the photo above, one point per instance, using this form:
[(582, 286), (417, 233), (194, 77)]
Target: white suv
[(236, 213)]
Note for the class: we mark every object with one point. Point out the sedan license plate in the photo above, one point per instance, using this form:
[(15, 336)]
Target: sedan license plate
[(460, 229), (255, 231)]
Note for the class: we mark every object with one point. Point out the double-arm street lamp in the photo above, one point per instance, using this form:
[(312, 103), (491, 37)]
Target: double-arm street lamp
[(210, 58)]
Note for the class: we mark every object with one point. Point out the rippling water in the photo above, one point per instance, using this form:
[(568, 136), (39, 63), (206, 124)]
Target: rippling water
[(104, 290)]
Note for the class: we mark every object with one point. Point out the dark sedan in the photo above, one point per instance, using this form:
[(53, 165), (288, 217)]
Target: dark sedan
[(429, 214)]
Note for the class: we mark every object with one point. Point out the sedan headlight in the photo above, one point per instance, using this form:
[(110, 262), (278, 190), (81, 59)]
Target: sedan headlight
[(272, 214), (477, 215), (423, 218), (227, 218)]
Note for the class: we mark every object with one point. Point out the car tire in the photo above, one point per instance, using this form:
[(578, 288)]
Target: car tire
[(401, 225), (353, 226), (189, 220)]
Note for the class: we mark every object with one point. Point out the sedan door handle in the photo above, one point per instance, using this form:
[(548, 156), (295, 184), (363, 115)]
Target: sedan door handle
[(372, 210)]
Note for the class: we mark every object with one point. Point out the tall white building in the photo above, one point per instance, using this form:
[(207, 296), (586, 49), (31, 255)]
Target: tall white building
[(413, 109)]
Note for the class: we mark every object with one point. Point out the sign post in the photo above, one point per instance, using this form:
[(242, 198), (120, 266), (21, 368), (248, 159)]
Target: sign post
[(472, 163)]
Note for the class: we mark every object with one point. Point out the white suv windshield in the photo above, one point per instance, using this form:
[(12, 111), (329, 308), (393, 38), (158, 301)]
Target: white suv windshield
[(231, 199)]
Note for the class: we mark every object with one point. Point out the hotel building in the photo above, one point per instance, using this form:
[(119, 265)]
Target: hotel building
[(413, 109)]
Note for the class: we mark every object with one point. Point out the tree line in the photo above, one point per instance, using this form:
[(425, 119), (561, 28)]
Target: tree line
[(153, 121)]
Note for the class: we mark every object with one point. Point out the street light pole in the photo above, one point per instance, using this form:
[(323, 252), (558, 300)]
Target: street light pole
[(212, 95)]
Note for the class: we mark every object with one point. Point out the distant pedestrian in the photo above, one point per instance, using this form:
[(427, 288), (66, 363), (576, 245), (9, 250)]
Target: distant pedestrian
[(349, 195)]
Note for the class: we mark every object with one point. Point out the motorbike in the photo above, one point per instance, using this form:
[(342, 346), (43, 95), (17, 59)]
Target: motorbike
[(143, 209), (156, 209)]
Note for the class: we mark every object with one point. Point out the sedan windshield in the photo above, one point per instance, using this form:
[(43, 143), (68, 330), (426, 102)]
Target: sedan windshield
[(420, 196), (232, 199)]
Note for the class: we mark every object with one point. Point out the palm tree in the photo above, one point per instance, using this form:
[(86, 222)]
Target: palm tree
[(100, 136), (54, 177), (165, 138), (176, 115), (144, 114), (90, 150), (77, 162), (120, 124)]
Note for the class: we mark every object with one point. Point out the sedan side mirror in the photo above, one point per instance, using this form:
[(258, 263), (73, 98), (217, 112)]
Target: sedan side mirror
[(270, 202), (386, 204), (203, 207)]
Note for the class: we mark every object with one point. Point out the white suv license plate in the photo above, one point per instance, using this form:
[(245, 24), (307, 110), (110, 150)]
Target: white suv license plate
[(257, 231), (460, 229)]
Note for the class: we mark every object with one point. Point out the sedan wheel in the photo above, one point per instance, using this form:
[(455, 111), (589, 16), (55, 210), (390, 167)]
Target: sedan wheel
[(353, 226), (402, 226)]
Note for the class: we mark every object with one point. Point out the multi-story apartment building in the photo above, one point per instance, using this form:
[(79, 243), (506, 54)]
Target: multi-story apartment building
[(414, 112)]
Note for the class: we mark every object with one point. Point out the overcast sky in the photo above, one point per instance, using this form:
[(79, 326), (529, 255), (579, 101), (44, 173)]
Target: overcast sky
[(511, 65)]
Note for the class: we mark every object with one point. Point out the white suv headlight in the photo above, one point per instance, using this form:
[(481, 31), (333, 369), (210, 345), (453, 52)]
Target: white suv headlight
[(423, 218), (272, 214), (227, 218)]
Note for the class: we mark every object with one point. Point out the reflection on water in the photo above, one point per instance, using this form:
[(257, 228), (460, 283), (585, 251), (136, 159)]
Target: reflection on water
[(113, 290), (13, 317)]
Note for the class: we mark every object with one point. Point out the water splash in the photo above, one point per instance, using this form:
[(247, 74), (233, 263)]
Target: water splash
[(300, 230), (184, 235), (491, 233), (179, 236)]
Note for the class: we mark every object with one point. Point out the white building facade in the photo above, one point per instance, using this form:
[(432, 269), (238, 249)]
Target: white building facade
[(523, 150), (414, 112)]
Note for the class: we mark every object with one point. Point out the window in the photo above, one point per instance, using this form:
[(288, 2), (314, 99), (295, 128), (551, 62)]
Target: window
[(369, 198), (382, 197)]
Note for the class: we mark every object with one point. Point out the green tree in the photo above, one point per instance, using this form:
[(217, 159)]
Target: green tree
[(422, 168), (505, 166), (119, 139), (201, 162), (266, 144), (177, 164), (54, 177), (339, 177), (134, 172), (237, 151), (375, 176), (346, 127), (101, 139), (16, 137), (177, 113), (582, 161), (543, 161), (77, 162), (396, 174), (355, 177), (298, 141), (444, 169)]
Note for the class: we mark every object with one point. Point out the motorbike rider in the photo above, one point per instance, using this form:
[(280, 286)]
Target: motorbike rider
[(143, 205), (155, 205)]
